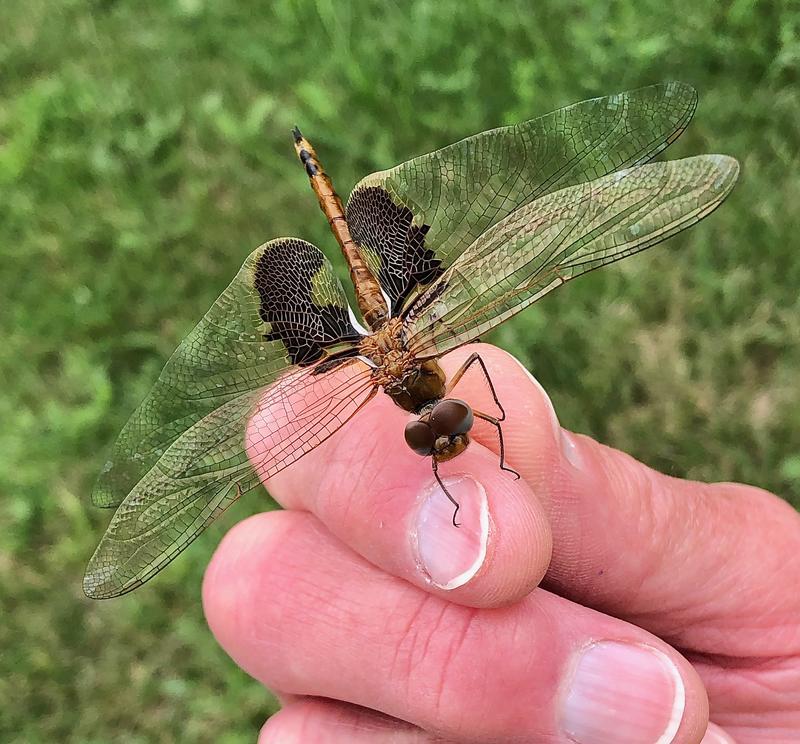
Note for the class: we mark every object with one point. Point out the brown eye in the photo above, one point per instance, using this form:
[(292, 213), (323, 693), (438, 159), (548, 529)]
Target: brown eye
[(420, 437), (450, 417)]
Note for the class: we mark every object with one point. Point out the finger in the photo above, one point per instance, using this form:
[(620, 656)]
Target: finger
[(301, 612), (680, 557), (384, 501), (715, 735), (332, 722)]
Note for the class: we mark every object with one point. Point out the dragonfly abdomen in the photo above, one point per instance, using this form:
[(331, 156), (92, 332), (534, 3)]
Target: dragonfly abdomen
[(368, 292)]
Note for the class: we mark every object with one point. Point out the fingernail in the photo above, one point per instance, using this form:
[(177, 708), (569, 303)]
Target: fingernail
[(569, 449), (715, 735), (551, 410), (625, 693), (450, 556)]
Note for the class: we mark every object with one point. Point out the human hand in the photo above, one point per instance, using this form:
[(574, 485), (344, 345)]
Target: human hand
[(660, 598)]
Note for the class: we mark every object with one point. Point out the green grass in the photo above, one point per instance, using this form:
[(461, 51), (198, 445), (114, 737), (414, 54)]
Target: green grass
[(145, 150)]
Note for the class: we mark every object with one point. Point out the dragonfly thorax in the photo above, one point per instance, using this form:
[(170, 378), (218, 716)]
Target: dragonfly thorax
[(410, 382)]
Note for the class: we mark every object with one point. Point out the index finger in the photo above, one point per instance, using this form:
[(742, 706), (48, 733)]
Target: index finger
[(384, 501), (683, 559)]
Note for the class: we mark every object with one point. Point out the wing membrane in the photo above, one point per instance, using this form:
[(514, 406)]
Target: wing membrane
[(561, 236), (414, 220), (181, 457)]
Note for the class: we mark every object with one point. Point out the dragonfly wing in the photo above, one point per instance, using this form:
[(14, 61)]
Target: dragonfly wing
[(181, 457), (414, 220), (207, 469), (561, 236)]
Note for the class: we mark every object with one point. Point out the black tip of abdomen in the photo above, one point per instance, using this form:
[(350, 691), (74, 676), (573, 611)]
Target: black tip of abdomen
[(296, 133)]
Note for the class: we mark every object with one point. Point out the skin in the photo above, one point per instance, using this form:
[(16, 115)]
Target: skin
[(326, 602)]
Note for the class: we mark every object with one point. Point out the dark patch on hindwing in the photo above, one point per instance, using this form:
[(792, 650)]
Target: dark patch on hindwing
[(305, 320), (386, 229)]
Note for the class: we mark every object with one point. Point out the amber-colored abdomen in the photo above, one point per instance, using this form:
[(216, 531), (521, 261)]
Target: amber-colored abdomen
[(370, 299)]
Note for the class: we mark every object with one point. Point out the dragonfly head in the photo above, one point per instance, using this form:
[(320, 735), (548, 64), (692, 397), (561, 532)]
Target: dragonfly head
[(442, 431)]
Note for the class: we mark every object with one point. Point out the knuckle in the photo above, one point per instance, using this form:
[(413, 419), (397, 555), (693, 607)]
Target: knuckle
[(427, 646)]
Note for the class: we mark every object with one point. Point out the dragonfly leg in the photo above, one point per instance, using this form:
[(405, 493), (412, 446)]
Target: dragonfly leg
[(493, 420), (446, 492), (496, 423), (471, 359)]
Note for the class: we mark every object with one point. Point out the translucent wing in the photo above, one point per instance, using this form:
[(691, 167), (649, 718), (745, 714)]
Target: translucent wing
[(414, 220), (205, 470), (180, 459), (561, 236)]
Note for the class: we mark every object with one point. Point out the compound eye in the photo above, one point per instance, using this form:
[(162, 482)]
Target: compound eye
[(420, 437), (451, 416)]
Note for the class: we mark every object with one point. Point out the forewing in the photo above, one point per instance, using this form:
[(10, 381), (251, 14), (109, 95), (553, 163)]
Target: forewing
[(180, 458), (561, 236), (414, 220)]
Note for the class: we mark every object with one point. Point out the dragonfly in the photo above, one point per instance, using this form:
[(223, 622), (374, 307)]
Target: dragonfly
[(440, 250)]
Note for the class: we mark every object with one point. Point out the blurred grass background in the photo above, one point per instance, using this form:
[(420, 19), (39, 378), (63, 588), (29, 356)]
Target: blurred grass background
[(145, 150)]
